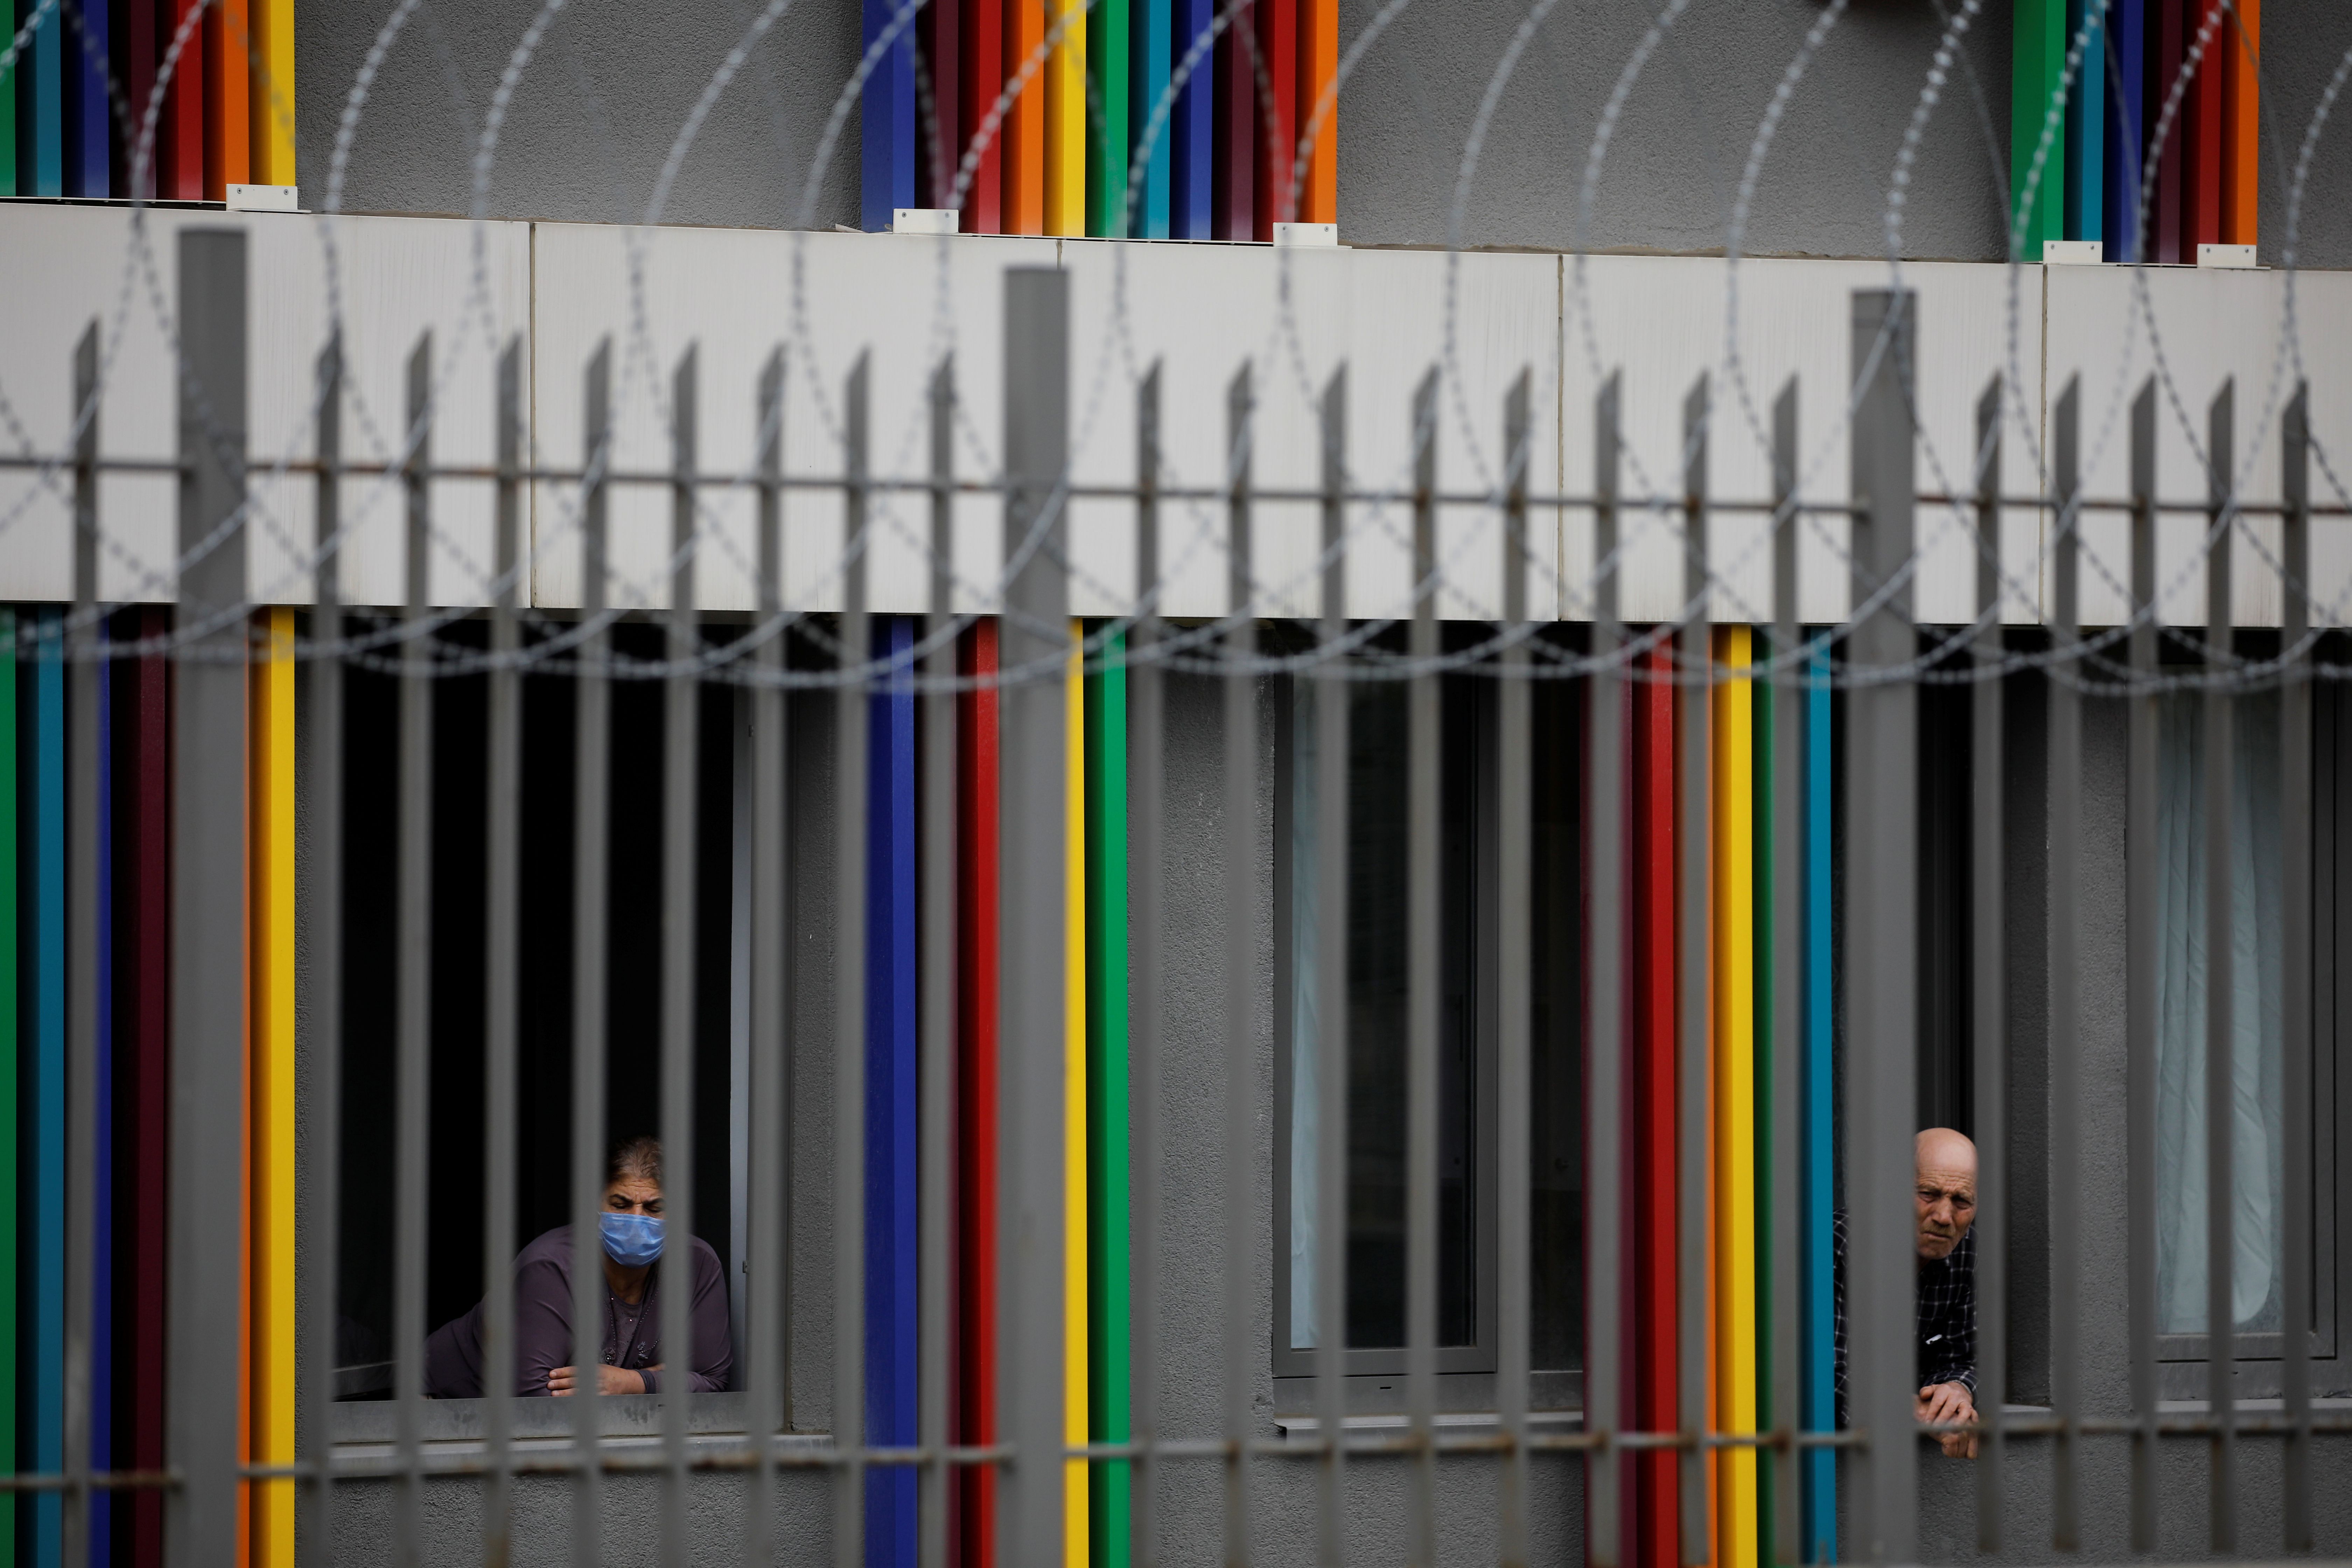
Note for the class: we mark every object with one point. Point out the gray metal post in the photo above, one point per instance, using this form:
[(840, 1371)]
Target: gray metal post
[(322, 913), (1882, 890), (591, 890), (208, 823), (2142, 871), (766, 1363), (1989, 993), (2066, 831), (2220, 932), (1787, 968), (1424, 808), (502, 979), (1693, 822), (412, 1002), (1241, 978), (1513, 1051), (83, 935), (1333, 695), (1145, 793), (681, 725), (2296, 965), (937, 998), (1032, 831), (849, 875), (1605, 1287)]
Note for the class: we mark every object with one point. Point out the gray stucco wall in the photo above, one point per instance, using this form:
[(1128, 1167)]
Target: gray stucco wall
[(601, 102)]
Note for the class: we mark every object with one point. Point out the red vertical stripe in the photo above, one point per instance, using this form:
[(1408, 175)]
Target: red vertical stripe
[(180, 136), (1237, 112), (1277, 43), (2204, 139), (976, 928), (1654, 1023), (982, 37), (145, 775)]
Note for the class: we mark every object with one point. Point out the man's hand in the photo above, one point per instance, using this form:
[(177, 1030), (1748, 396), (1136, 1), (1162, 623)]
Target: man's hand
[(1941, 1403), (564, 1381)]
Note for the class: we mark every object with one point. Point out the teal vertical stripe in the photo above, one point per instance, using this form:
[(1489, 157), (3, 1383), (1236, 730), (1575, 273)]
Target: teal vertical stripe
[(1819, 1396), (1149, 55), (41, 105), (48, 1204), (2086, 124), (1760, 746), (1108, 1378)]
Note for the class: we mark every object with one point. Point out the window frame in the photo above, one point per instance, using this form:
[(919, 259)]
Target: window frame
[(1456, 1363)]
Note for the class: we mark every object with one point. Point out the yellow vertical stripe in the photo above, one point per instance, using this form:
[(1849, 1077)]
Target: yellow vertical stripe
[(1735, 1097), (1065, 121), (1075, 1503), (270, 1119), (271, 100)]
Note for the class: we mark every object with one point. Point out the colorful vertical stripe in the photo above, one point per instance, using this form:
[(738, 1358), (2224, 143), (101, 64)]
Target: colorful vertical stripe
[(44, 1196), (976, 1058), (11, 1012), (2124, 162), (1278, 105), (1237, 126), (180, 176), (979, 36), (1027, 68), (40, 104), (1733, 785), (1149, 52), (2166, 51), (2241, 87), (1193, 132), (1817, 1127), (1318, 108), (1766, 1254), (1656, 1388), (273, 92), (1109, 1374), (1109, 42), (101, 1296), (271, 1115), (1067, 119), (2086, 108), (228, 98), (2037, 66), (886, 116), (2203, 197), (892, 1223), (88, 115), (1076, 1388), (938, 150)]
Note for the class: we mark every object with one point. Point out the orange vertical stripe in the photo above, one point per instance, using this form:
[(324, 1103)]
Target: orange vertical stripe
[(2242, 88), (1318, 78), (228, 99), (1024, 126)]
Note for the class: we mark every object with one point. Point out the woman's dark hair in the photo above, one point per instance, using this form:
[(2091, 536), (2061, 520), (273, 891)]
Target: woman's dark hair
[(639, 1156)]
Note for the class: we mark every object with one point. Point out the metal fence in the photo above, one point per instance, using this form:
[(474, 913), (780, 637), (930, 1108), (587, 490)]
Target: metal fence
[(1877, 661)]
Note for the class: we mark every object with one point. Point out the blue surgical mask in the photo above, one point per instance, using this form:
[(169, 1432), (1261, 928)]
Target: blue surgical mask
[(631, 1240)]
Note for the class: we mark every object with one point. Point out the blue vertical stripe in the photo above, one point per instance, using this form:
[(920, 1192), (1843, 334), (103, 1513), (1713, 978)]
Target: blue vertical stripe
[(886, 117), (891, 1217), (2127, 88), (2086, 114), (102, 1334), (1193, 145), (1153, 29), (1820, 1364), (47, 1206), (87, 117)]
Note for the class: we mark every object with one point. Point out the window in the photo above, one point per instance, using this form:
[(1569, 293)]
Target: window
[(1375, 1022)]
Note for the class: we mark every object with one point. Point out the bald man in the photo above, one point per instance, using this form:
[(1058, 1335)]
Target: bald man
[(1946, 1199)]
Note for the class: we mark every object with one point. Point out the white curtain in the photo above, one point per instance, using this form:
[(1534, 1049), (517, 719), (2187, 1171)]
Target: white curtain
[(2255, 992), (1304, 1097)]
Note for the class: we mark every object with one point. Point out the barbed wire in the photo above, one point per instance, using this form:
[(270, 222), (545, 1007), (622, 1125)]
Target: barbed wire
[(1459, 580)]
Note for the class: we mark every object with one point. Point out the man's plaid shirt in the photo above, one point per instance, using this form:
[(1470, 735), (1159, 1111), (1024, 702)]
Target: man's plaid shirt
[(1946, 1315)]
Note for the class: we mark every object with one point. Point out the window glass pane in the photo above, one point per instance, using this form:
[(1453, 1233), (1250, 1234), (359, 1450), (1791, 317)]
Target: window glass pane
[(2256, 993), (1376, 1018)]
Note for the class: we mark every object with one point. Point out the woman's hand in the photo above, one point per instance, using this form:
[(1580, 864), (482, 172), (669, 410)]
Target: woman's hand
[(564, 1381)]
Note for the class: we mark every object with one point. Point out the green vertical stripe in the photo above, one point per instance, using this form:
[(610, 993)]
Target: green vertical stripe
[(8, 188), (9, 1340), (2037, 66), (1107, 87), (1760, 729), (1107, 1130)]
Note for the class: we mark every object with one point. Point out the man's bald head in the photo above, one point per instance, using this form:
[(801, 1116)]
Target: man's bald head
[(1946, 1190)]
